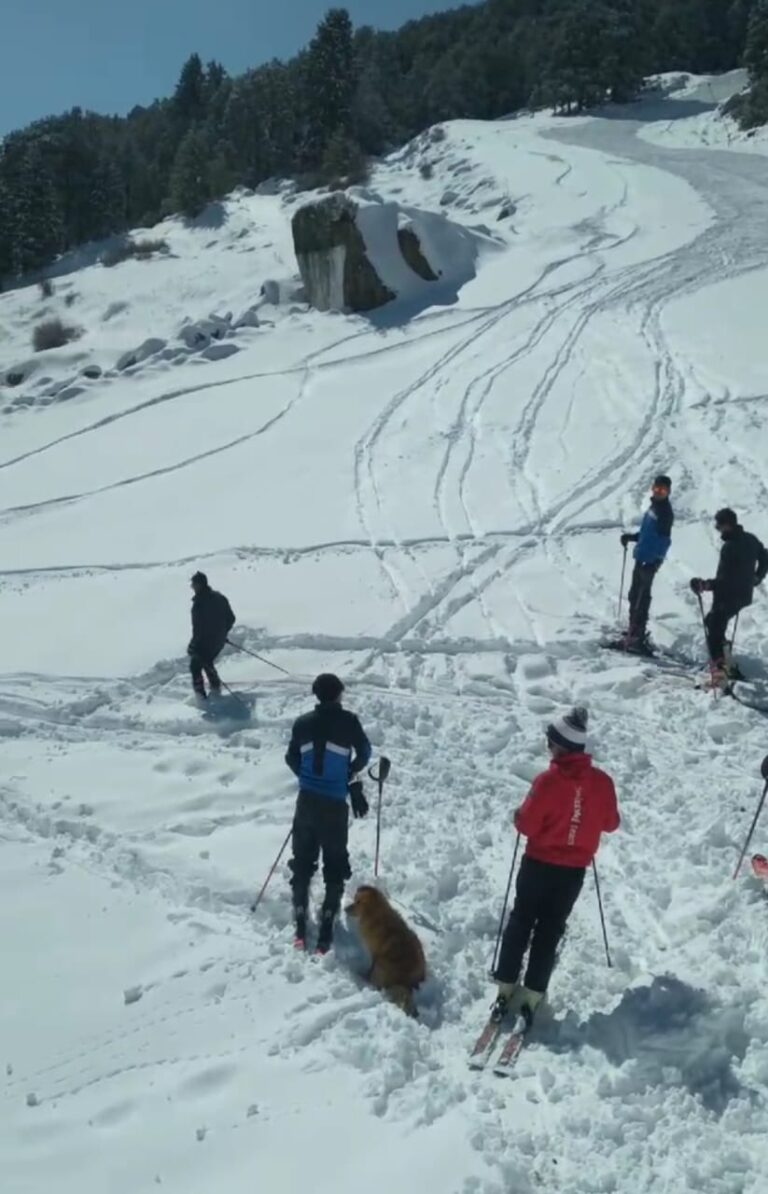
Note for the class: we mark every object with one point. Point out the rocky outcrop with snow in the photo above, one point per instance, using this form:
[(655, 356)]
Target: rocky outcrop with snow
[(357, 252)]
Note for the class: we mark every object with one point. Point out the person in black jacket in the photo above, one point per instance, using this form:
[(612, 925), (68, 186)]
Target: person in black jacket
[(212, 620), (328, 750), (743, 564)]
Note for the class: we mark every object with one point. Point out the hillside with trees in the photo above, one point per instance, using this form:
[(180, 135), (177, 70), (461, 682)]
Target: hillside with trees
[(348, 95)]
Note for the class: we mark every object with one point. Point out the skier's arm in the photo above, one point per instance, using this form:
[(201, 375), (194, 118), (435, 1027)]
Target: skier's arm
[(529, 816), (196, 628), (762, 564), (724, 569), (230, 617), (612, 818), (361, 747), (293, 753), (664, 520)]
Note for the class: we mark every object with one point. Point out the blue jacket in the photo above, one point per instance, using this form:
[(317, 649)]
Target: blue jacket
[(655, 537), (328, 747)]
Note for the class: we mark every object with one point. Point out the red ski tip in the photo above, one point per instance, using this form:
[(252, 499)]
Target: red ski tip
[(299, 943)]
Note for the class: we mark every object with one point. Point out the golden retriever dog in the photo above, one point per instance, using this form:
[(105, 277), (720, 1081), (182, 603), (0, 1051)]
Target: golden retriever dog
[(399, 965)]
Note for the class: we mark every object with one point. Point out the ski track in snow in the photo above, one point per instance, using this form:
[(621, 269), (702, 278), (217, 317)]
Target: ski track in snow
[(490, 454)]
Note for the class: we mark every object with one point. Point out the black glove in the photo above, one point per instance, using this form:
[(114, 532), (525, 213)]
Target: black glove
[(698, 586), (357, 799), (628, 538)]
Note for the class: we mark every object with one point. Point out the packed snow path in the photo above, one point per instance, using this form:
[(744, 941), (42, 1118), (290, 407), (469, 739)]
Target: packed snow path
[(433, 510)]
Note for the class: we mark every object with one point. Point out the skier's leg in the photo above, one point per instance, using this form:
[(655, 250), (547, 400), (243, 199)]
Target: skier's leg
[(336, 869), (562, 891), (716, 623), (522, 918), (213, 676), (306, 849), (634, 597), (647, 574), (196, 670)]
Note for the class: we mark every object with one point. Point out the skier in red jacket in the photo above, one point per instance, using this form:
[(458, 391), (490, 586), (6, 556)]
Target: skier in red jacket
[(567, 809)]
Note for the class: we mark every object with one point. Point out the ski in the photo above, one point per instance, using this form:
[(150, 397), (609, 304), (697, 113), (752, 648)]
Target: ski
[(513, 1045), (481, 1051), (760, 867)]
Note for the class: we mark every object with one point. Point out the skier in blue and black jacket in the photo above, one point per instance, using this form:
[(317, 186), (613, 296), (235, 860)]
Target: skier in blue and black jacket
[(652, 542), (327, 752)]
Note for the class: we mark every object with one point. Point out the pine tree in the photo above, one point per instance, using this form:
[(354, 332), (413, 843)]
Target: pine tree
[(344, 162), (6, 229), (107, 200), (191, 91), (754, 108), (756, 50), (37, 231), (190, 187), (330, 81)]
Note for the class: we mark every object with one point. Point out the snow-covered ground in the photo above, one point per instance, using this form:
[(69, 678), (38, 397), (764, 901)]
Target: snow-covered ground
[(431, 507), (685, 111)]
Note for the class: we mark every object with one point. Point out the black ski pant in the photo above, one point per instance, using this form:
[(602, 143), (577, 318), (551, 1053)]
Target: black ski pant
[(320, 824), (716, 623), (545, 895), (640, 598), (200, 662)]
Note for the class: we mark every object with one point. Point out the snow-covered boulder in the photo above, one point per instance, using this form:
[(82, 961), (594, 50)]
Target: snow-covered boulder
[(356, 252), (200, 333), (137, 356)]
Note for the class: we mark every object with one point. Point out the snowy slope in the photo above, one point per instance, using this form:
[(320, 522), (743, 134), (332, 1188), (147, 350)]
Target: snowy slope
[(432, 508)]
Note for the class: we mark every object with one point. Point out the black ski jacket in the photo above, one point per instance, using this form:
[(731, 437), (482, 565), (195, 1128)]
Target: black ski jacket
[(212, 620), (743, 564)]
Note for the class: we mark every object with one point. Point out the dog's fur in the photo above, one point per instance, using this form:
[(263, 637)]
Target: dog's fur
[(399, 965)]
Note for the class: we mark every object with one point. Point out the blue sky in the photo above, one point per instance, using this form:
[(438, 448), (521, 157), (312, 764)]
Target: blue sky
[(108, 55)]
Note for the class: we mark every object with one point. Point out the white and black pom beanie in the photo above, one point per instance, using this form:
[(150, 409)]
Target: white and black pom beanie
[(570, 731)]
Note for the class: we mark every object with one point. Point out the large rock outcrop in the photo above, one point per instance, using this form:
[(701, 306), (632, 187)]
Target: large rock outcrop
[(356, 253), (333, 261)]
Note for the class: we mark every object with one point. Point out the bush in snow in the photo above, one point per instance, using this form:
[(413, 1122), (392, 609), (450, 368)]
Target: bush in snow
[(52, 334), (142, 250), (344, 163), (46, 288), (426, 170)]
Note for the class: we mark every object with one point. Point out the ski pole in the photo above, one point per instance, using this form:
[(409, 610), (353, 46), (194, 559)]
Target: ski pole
[(602, 915), (232, 693), (384, 769), (504, 909), (621, 586), (764, 773), (272, 870), (260, 658)]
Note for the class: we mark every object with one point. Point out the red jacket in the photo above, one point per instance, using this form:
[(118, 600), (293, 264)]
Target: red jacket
[(566, 810)]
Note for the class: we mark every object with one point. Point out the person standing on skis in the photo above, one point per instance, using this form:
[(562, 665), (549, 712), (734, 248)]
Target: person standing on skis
[(212, 620), (327, 751), (652, 542), (743, 564), (563, 816)]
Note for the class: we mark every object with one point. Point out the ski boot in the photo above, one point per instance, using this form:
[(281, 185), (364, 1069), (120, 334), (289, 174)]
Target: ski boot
[(300, 901), (325, 936), (506, 996), (328, 914), (640, 645)]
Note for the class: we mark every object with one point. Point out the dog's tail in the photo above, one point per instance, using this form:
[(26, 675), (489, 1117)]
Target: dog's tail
[(402, 997)]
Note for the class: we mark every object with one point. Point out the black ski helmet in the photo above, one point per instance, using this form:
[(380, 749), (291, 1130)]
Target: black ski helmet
[(327, 687)]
